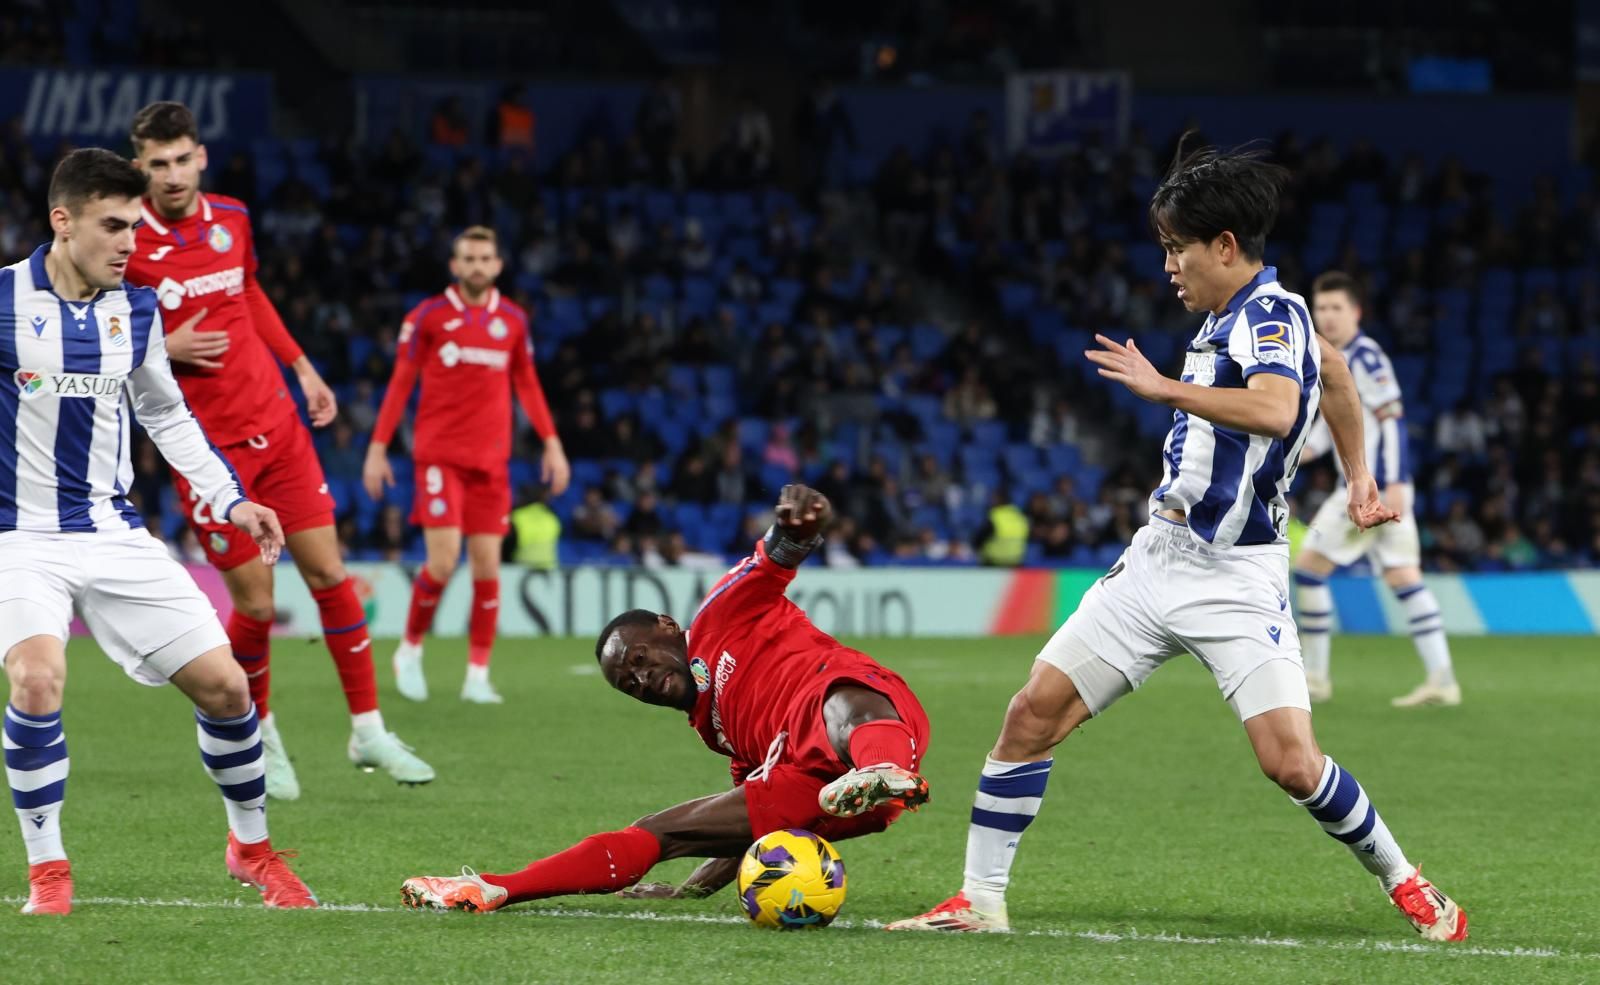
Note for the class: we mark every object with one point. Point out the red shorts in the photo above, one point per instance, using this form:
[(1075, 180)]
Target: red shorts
[(476, 501), (279, 470), (786, 797)]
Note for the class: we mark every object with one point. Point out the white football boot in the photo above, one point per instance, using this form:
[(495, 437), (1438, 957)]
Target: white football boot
[(868, 787), (1430, 692), (957, 915), (466, 892), (1434, 915), (408, 679), (282, 784), (384, 751)]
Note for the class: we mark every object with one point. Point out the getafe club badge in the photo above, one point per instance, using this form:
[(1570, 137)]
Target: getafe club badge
[(702, 675), (220, 239), (498, 330), (219, 544)]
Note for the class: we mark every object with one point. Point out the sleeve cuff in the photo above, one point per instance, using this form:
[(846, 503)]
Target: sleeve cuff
[(228, 512), (1274, 369)]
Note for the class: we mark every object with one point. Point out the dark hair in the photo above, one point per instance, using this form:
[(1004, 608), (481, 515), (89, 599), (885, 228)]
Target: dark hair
[(94, 172), (163, 122), (633, 617), (1337, 280), (1209, 192)]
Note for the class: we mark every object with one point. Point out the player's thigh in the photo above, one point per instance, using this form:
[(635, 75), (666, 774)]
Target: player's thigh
[(1116, 637), (289, 479), (316, 553), (225, 546), (145, 610), (485, 502), (1397, 544), (483, 555), (1233, 615), (439, 498), (39, 578), (716, 826), (1334, 536), (215, 682)]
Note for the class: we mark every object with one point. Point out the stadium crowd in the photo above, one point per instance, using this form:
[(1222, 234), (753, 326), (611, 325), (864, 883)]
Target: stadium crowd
[(705, 336)]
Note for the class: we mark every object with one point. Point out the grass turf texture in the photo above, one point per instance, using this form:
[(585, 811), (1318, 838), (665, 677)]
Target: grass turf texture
[(1160, 854)]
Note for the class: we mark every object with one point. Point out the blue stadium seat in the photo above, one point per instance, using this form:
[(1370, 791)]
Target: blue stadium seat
[(719, 380), (700, 290), (615, 402), (660, 287), (927, 342), (1016, 297)]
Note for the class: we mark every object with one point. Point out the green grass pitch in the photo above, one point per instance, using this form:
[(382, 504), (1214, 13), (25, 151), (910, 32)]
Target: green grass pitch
[(1161, 853)]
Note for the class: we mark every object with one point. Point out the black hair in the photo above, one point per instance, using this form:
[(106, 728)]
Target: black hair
[(1337, 280), (163, 122), (633, 617), (94, 172), (1208, 192)]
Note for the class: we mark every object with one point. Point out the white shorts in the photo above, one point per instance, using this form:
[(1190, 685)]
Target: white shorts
[(1389, 545), (144, 610), (1170, 594)]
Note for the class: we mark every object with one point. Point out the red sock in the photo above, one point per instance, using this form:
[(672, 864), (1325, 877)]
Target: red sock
[(601, 863), (425, 594), (884, 740), (485, 619), (344, 629), (251, 640)]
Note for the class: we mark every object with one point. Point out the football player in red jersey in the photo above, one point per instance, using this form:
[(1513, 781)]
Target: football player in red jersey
[(198, 252), (471, 348), (820, 736)]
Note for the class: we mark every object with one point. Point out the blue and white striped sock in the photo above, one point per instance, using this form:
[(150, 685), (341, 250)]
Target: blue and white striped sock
[(1008, 798), (231, 750), (1314, 620), (36, 768), (1343, 810), (1427, 631)]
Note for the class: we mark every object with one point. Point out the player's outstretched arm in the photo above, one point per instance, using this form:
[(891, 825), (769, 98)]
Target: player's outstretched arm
[(262, 525), (1268, 405), (802, 516), (1341, 408), (712, 875)]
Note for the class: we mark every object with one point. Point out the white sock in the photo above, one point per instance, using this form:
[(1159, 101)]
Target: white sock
[(1314, 620), (367, 724), (36, 769), (231, 751), (1427, 631), (1007, 800), (477, 673), (1342, 808)]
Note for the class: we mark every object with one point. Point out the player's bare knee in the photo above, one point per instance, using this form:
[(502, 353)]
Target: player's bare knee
[(440, 569), (224, 691), (256, 605), (1297, 770), (1033, 725), (35, 684), (324, 576)]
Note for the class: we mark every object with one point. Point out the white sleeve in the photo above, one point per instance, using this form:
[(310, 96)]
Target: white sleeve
[(1376, 383), (158, 404)]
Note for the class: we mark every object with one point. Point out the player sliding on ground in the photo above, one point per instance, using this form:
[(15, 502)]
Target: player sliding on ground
[(1210, 574), (78, 349), (821, 736)]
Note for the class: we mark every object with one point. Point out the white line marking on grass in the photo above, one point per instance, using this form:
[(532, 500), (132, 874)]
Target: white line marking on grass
[(1093, 936)]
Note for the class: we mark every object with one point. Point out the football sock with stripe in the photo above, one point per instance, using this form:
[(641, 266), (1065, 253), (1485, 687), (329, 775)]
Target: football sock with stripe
[(484, 620), (1314, 620), (344, 630), (1342, 808), (36, 769), (251, 640), (230, 748), (425, 594), (602, 863), (883, 740), (1008, 798), (1427, 631)]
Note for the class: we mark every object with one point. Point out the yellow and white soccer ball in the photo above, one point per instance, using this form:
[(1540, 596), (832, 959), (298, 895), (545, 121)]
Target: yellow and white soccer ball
[(790, 880)]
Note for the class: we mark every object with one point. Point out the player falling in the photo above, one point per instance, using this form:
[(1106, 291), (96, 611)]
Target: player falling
[(1210, 574), (820, 736), (1393, 548), (471, 348), (198, 252), (77, 348)]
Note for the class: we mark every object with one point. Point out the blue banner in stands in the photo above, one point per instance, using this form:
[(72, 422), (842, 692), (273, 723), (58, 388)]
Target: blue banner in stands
[(95, 106), (1052, 111)]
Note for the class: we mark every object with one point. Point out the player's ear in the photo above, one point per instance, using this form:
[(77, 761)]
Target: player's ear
[(200, 158), (668, 623), (60, 221)]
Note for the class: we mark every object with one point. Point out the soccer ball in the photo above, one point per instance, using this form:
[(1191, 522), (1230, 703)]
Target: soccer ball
[(791, 879)]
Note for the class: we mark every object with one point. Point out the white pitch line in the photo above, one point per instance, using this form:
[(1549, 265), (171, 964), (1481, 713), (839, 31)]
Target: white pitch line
[(1094, 936)]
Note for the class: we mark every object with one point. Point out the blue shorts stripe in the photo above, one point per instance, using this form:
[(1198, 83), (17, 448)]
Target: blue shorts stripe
[(1361, 830), (1015, 823), (50, 793), (33, 759)]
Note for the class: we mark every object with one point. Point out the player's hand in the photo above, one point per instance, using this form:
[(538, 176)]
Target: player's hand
[(376, 475), (655, 890), (262, 525), (1127, 365), (1364, 507), (554, 470), (803, 512), (1394, 498), (320, 401), (188, 345)]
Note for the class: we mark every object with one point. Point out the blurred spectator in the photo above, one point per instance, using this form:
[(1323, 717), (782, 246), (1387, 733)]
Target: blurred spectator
[(593, 517)]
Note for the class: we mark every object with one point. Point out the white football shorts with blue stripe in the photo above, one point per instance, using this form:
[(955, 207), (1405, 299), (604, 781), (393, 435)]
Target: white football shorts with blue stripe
[(1169, 594), (143, 608)]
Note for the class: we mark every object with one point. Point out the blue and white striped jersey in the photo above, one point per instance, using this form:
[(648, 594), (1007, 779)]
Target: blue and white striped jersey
[(1233, 485), (1383, 414), (70, 370)]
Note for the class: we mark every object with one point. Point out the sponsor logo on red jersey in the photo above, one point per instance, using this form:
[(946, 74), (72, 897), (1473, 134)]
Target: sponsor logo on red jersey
[(451, 355), (172, 292)]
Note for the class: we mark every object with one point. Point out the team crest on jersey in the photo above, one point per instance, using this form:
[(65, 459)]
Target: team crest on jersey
[(702, 675), (219, 544), (437, 507), (498, 330), (117, 335), (220, 239)]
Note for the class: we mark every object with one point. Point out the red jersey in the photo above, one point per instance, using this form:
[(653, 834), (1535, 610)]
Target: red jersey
[(208, 261), (754, 655), (470, 358)]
